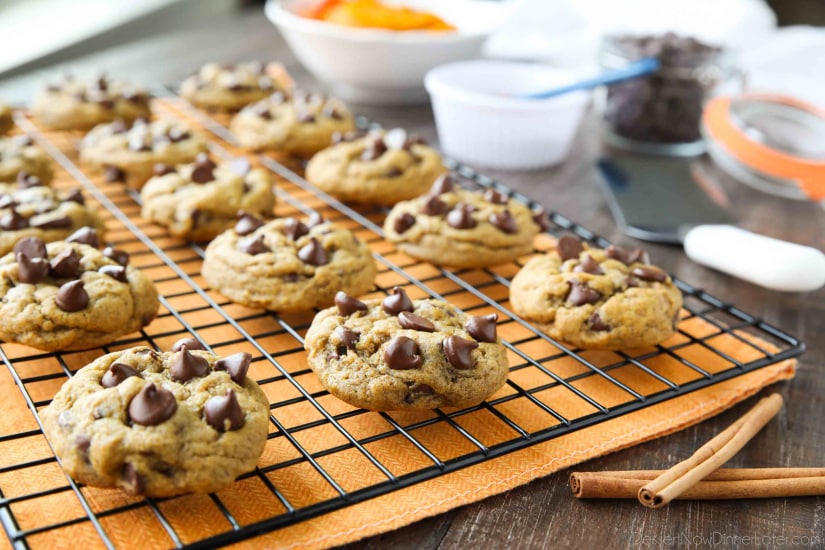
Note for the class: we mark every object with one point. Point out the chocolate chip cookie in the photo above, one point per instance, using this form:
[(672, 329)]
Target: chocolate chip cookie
[(6, 118), (597, 299), (398, 353), (130, 154), (297, 123), (200, 200), (69, 295), (74, 104), (159, 424), (379, 167), (28, 209), (231, 87), (287, 264), (19, 155), (454, 227)]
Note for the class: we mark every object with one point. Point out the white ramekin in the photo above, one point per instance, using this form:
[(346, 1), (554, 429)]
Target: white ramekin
[(480, 122)]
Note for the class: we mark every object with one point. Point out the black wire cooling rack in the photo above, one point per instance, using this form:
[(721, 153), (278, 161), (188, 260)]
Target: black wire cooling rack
[(344, 455)]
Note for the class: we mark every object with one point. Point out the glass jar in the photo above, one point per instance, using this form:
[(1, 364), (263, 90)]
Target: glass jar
[(661, 113)]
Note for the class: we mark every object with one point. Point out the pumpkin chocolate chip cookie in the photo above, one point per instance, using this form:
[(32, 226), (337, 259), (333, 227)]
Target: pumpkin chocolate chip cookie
[(69, 295), (231, 87), (297, 123), (74, 104), (378, 167), (287, 264), (398, 353), (21, 158), (198, 201), (454, 227), (159, 424), (597, 299), (130, 154), (6, 118)]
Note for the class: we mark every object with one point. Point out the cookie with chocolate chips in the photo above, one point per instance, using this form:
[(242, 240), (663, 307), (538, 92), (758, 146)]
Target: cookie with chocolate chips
[(77, 104), (130, 154), (459, 228), (200, 200), (20, 158), (397, 353), (378, 167), (297, 123), (597, 299), (232, 87), (159, 424), (6, 118), (287, 264), (69, 295), (28, 209)]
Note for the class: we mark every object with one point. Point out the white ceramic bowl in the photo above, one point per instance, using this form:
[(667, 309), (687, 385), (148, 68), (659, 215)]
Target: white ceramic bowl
[(383, 66), (480, 123)]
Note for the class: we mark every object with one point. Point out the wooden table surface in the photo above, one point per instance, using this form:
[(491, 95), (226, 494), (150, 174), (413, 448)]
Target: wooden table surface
[(543, 513)]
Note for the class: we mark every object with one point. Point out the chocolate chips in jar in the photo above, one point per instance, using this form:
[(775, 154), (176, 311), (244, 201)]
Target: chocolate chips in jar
[(664, 107)]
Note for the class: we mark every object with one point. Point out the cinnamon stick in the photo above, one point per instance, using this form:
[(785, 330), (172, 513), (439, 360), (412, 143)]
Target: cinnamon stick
[(710, 456), (720, 485)]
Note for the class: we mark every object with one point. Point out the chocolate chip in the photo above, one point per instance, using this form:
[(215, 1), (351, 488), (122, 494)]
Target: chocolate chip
[(31, 270), (402, 353), (415, 322), (75, 195), (117, 373), (32, 247), (134, 97), (26, 180), (493, 196), (597, 324), (403, 222), (12, 221), (483, 327), (631, 282), (119, 256), (314, 219), (375, 149), (313, 253), (443, 184), (625, 256), (333, 113), (294, 229), (461, 217), (204, 170), (133, 482), (52, 223), (397, 302), (66, 264), (188, 366), (344, 137), (152, 406), (176, 134), (418, 391), (504, 221), (137, 142), (190, 343), (581, 294), (84, 235), (101, 82), (649, 273), (223, 412), (638, 255), (83, 443), (569, 247), (457, 350), (262, 111), (589, 265), (116, 272), (112, 174), (254, 246), (106, 103), (393, 172), (247, 223), (347, 305), (237, 365), (433, 206), (306, 118), (395, 138), (240, 166), (161, 169), (348, 337), (541, 220), (72, 296)]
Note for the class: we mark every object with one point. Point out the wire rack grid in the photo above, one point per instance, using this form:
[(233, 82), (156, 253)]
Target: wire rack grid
[(322, 454)]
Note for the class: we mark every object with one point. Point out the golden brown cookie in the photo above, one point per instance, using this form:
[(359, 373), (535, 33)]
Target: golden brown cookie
[(597, 299), (159, 424), (231, 87), (455, 227), (287, 264), (397, 353), (379, 167), (6, 118), (20, 159)]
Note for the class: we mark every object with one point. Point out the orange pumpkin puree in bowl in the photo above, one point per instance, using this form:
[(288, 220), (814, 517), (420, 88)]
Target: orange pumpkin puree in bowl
[(373, 14)]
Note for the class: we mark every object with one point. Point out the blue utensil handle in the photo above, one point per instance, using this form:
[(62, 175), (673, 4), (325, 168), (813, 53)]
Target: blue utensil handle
[(632, 70)]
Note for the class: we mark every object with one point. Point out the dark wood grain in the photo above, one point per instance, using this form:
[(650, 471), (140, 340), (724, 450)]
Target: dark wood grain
[(543, 513)]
